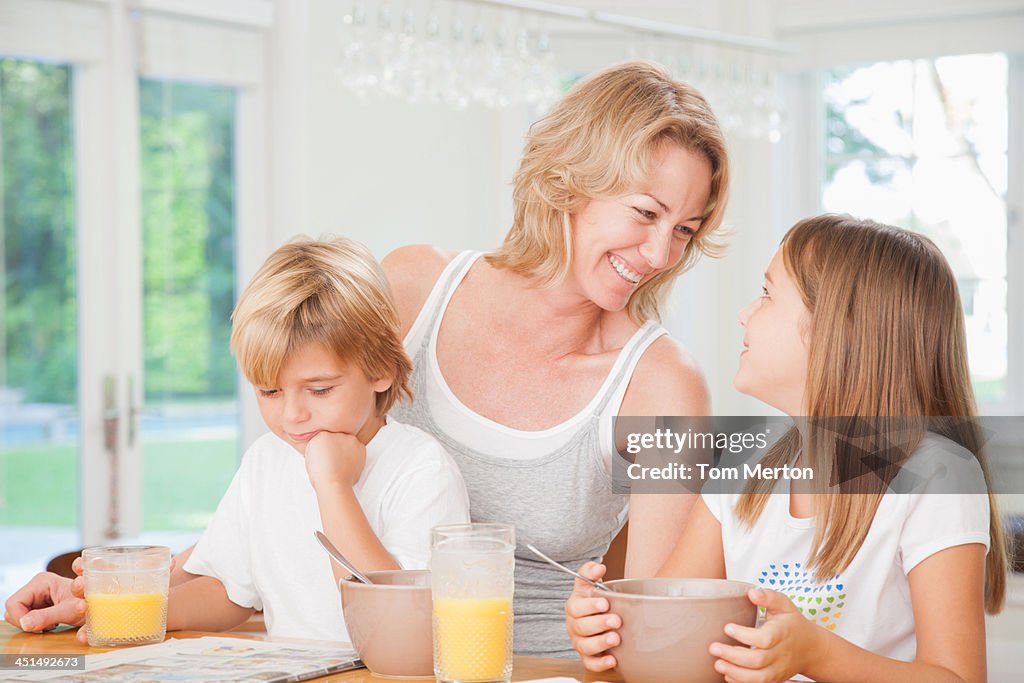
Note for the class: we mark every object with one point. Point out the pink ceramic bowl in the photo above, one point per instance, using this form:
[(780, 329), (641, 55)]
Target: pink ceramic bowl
[(389, 622), (668, 625)]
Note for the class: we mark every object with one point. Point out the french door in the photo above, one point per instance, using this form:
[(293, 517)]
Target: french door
[(132, 208)]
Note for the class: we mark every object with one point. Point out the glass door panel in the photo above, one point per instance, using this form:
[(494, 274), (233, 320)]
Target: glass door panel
[(190, 421), (39, 456)]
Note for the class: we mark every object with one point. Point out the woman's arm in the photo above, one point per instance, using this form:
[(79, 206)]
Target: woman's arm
[(666, 382), (699, 553), (947, 593)]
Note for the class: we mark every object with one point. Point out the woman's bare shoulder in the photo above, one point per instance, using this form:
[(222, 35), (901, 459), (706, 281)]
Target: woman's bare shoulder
[(667, 381), (412, 272)]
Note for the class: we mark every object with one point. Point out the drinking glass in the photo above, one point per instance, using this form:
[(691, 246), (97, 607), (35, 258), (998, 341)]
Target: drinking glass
[(126, 594), (472, 569)]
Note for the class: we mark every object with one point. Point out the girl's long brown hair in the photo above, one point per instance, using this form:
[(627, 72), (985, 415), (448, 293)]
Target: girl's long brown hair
[(886, 340)]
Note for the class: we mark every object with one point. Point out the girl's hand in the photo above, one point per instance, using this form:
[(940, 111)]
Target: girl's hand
[(780, 649), (590, 626), (334, 459)]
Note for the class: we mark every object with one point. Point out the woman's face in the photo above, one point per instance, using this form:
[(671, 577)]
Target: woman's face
[(773, 363), (620, 243)]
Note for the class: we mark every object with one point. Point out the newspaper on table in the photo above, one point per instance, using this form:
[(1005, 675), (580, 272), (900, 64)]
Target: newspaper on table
[(209, 659)]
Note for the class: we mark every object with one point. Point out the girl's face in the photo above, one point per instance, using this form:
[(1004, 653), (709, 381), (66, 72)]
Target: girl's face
[(773, 363), (619, 243), (319, 392)]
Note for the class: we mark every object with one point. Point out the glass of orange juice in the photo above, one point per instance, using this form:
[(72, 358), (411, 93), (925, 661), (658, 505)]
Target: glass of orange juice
[(126, 594), (471, 569)]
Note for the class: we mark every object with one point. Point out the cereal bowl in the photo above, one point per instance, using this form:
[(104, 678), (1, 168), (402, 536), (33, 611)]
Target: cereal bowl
[(668, 625), (389, 622)]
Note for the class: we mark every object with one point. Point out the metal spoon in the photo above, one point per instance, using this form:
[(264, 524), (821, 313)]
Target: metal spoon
[(595, 584), (339, 558)]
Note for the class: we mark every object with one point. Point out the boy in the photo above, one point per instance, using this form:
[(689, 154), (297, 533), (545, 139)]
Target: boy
[(317, 335)]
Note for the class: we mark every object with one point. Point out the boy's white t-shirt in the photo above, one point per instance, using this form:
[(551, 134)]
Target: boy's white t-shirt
[(868, 603), (260, 543)]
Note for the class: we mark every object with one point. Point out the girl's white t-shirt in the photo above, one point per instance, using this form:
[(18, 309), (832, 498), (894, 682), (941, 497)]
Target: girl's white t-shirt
[(868, 603), (260, 543)]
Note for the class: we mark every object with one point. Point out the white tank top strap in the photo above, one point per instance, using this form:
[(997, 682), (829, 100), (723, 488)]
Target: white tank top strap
[(627, 361), (641, 341), (437, 301)]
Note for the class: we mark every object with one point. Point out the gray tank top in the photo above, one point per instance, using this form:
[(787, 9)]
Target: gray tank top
[(559, 501)]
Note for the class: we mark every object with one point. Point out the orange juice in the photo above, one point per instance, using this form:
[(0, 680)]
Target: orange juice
[(126, 618), (473, 638)]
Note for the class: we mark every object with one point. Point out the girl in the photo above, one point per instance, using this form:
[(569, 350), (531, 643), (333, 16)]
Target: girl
[(862, 319)]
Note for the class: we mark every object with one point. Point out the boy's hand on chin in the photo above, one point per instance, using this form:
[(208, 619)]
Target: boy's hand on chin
[(334, 459)]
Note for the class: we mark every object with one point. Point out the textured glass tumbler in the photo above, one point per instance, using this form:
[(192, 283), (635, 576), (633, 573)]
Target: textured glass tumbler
[(126, 594), (472, 567)]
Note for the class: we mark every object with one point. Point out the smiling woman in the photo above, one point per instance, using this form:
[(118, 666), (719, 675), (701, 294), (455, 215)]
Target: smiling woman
[(523, 358)]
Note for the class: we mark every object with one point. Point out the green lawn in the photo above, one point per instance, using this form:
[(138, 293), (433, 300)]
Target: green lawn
[(182, 483)]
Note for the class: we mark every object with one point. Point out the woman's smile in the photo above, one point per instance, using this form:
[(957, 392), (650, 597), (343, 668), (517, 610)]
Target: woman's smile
[(623, 270)]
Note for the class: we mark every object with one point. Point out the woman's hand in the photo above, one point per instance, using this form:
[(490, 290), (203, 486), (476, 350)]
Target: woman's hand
[(46, 601), (781, 648), (591, 628)]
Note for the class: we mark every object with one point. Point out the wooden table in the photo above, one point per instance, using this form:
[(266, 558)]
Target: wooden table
[(13, 641)]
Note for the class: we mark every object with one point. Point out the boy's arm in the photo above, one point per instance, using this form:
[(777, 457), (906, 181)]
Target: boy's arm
[(334, 463), (178, 573), (347, 527), (202, 604)]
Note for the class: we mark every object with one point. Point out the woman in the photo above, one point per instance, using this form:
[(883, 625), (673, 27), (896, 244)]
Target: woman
[(522, 358)]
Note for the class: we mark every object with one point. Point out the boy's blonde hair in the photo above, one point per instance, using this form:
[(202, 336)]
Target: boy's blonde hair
[(329, 292), (599, 142), (886, 340)]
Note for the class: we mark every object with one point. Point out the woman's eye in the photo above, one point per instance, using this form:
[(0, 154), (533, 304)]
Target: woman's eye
[(684, 230), (764, 292), (649, 215), (321, 392), (268, 393)]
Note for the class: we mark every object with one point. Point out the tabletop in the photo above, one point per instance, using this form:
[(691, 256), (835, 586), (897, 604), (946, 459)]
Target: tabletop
[(13, 641)]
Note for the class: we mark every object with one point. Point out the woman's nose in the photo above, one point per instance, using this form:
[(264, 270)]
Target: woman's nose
[(657, 248)]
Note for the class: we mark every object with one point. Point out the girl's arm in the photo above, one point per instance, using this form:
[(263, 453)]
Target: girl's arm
[(592, 628), (947, 593)]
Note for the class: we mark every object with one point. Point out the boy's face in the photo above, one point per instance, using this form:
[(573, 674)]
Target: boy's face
[(318, 392)]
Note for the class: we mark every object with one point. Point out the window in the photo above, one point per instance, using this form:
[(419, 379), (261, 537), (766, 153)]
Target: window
[(923, 144), (190, 415), (39, 420)]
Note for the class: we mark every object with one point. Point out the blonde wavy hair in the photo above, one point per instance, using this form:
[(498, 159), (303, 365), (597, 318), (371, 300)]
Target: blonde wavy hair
[(886, 342), (329, 292), (599, 142)]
